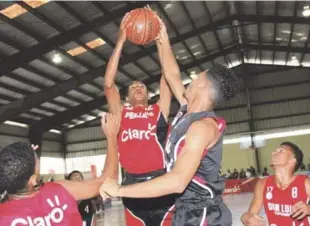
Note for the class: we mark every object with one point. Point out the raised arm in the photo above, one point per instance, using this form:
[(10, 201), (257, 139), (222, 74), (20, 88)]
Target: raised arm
[(165, 95), (110, 125), (251, 217), (170, 66), (110, 89), (185, 168)]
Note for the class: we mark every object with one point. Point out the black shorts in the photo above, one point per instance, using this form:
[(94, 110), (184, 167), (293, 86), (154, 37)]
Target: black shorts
[(209, 212), (147, 211)]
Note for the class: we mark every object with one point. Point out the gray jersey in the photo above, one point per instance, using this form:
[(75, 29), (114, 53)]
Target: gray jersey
[(207, 180)]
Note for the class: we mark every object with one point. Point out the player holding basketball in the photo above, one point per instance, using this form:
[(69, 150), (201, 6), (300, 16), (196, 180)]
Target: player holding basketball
[(141, 137), (194, 150), (25, 203), (284, 195)]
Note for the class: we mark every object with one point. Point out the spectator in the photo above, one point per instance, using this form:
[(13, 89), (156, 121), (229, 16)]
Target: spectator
[(303, 167), (242, 174), (228, 174), (235, 174), (248, 173), (253, 171), (265, 172)]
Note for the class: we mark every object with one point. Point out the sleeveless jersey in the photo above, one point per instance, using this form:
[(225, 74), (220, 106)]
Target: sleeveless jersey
[(207, 180), (141, 138), (278, 203), (87, 211), (51, 206)]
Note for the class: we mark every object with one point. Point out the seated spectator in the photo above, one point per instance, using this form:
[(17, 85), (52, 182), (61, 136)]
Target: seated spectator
[(253, 171), (242, 174), (265, 172), (235, 174), (248, 173)]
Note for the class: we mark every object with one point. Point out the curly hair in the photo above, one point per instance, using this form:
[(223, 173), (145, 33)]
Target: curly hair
[(297, 152), (225, 83), (17, 165)]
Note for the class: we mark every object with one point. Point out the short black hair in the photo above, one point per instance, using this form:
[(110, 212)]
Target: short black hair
[(225, 83), (73, 172), (17, 165), (297, 152)]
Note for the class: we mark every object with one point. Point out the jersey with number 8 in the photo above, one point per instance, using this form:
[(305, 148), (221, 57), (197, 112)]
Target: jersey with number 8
[(278, 203)]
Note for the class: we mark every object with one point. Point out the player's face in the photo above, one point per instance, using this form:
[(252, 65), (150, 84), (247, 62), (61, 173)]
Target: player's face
[(282, 156), (193, 88), (76, 177), (137, 92)]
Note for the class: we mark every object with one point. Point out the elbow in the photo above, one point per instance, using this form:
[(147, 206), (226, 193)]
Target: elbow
[(180, 185)]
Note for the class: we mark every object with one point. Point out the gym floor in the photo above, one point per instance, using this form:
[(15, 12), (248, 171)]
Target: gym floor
[(237, 203)]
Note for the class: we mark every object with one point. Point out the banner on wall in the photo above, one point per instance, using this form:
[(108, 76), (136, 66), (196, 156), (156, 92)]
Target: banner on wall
[(234, 186)]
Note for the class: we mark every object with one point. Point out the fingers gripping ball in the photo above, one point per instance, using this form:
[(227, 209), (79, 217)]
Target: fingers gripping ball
[(142, 26)]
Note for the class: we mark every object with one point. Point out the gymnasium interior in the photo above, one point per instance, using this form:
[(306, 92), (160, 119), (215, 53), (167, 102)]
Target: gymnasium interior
[(54, 55)]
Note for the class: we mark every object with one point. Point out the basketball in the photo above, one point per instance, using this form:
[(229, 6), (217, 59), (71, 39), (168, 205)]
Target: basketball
[(142, 26)]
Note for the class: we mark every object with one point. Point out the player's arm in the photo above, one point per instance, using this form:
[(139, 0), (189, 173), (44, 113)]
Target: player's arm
[(251, 217), (165, 96), (110, 89), (185, 168), (170, 66), (110, 126), (81, 190), (301, 209)]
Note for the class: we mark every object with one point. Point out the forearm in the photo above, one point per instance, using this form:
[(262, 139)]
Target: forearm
[(164, 185), (111, 163), (170, 66), (109, 77), (81, 190)]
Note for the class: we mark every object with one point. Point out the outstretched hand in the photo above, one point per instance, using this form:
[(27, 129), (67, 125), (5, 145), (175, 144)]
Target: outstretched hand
[(110, 188), (123, 28), (110, 124)]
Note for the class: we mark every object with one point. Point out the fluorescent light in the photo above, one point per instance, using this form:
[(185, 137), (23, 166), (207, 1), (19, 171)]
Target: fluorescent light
[(55, 131), (306, 11), (16, 124), (57, 59), (16, 10), (91, 44)]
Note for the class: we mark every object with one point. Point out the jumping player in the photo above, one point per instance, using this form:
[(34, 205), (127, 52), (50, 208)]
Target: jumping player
[(284, 195), (142, 135), (87, 208), (25, 203), (194, 150)]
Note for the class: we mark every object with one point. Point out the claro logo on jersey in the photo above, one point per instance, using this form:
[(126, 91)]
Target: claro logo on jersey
[(136, 134), (56, 216)]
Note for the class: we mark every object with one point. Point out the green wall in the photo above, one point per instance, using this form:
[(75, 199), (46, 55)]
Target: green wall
[(235, 157)]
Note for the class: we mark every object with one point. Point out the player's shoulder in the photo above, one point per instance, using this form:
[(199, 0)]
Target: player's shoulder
[(203, 125), (261, 182)]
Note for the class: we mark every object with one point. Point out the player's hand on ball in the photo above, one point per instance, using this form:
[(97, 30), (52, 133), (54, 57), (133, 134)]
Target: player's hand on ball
[(123, 26), (110, 188), (300, 210), (110, 124), (255, 220)]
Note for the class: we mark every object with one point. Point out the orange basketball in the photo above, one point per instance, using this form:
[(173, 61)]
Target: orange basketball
[(142, 26)]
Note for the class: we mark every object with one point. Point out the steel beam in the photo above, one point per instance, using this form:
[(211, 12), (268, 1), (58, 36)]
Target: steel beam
[(74, 112)]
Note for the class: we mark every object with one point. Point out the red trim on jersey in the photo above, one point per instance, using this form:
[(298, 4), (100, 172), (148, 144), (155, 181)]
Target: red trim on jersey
[(132, 220)]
